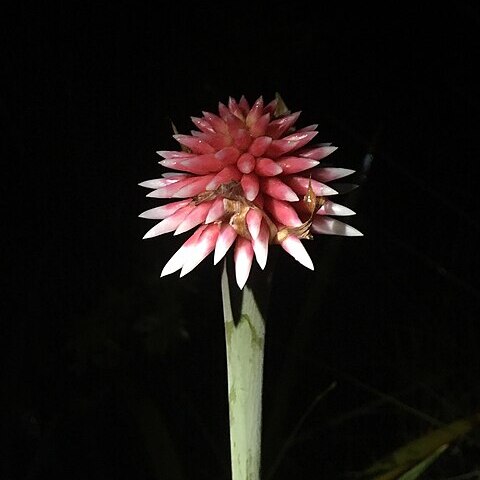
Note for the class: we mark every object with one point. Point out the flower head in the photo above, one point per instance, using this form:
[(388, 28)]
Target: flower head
[(246, 179)]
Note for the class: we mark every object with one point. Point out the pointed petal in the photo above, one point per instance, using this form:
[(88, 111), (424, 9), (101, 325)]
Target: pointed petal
[(216, 122), (243, 257), (223, 110), (158, 213), (196, 145), (255, 112), (244, 106), (194, 218), (169, 190), (295, 248), (289, 143), (203, 125), (157, 183), (250, 186), (174, 154), (235, 109), (308, 128), (295, 164), (301, 138), (280, 147), (201, 164), (260, 245), (195, 187), (175, 163), (227, 155), (225, 240), (266, 167), (331, 226), (235, 122), (176, 175), (300, 185), (259, 146), (271, 107), (170, 223), (330, 208), (254, 220), (259, 127), (204, 246), (226, 175), (274, 187), (282, 212), (279, 126), (217, 210), (329, 173), (181, 255), (317, 153), (215, 140)]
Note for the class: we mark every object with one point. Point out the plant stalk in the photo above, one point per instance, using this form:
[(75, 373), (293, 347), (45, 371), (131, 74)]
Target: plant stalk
[(245, 340)]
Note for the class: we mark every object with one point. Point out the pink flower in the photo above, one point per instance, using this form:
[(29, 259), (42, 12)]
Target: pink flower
[(246, 179)]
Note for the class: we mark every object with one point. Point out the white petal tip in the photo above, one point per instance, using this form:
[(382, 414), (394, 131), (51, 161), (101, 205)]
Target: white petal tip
[(352, 232), (188, 267), (261, 255), (254, 232), (329, 226), (305, 260), (296, 249), (166, 272), (292, 197), (241, 283), (218, 255)]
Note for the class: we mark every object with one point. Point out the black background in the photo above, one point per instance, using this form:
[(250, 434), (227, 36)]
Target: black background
[(110, 372)]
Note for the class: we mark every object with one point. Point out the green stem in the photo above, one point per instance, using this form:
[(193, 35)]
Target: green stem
[(245, 341)]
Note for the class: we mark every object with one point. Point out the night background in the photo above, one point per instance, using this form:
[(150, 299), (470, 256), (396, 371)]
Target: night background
[(109, 371)]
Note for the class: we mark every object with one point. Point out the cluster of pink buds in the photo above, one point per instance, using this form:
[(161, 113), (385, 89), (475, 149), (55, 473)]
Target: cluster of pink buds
[(246, 178)]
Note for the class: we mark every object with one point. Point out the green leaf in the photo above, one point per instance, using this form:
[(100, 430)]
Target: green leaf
[(416, 471), (410, 460)]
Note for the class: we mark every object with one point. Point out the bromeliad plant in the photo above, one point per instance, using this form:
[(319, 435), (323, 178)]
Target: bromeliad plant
[(247, 179)]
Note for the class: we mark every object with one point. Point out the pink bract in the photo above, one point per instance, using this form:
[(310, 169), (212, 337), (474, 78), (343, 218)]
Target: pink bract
[(246, 179)]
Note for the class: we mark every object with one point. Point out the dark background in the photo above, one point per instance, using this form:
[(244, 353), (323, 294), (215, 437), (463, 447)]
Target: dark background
[(110, 372)]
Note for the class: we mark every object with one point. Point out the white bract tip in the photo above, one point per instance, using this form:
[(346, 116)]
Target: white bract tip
[(295, 248)]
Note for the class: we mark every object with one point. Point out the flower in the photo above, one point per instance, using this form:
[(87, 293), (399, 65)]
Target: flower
[(246, 178)]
